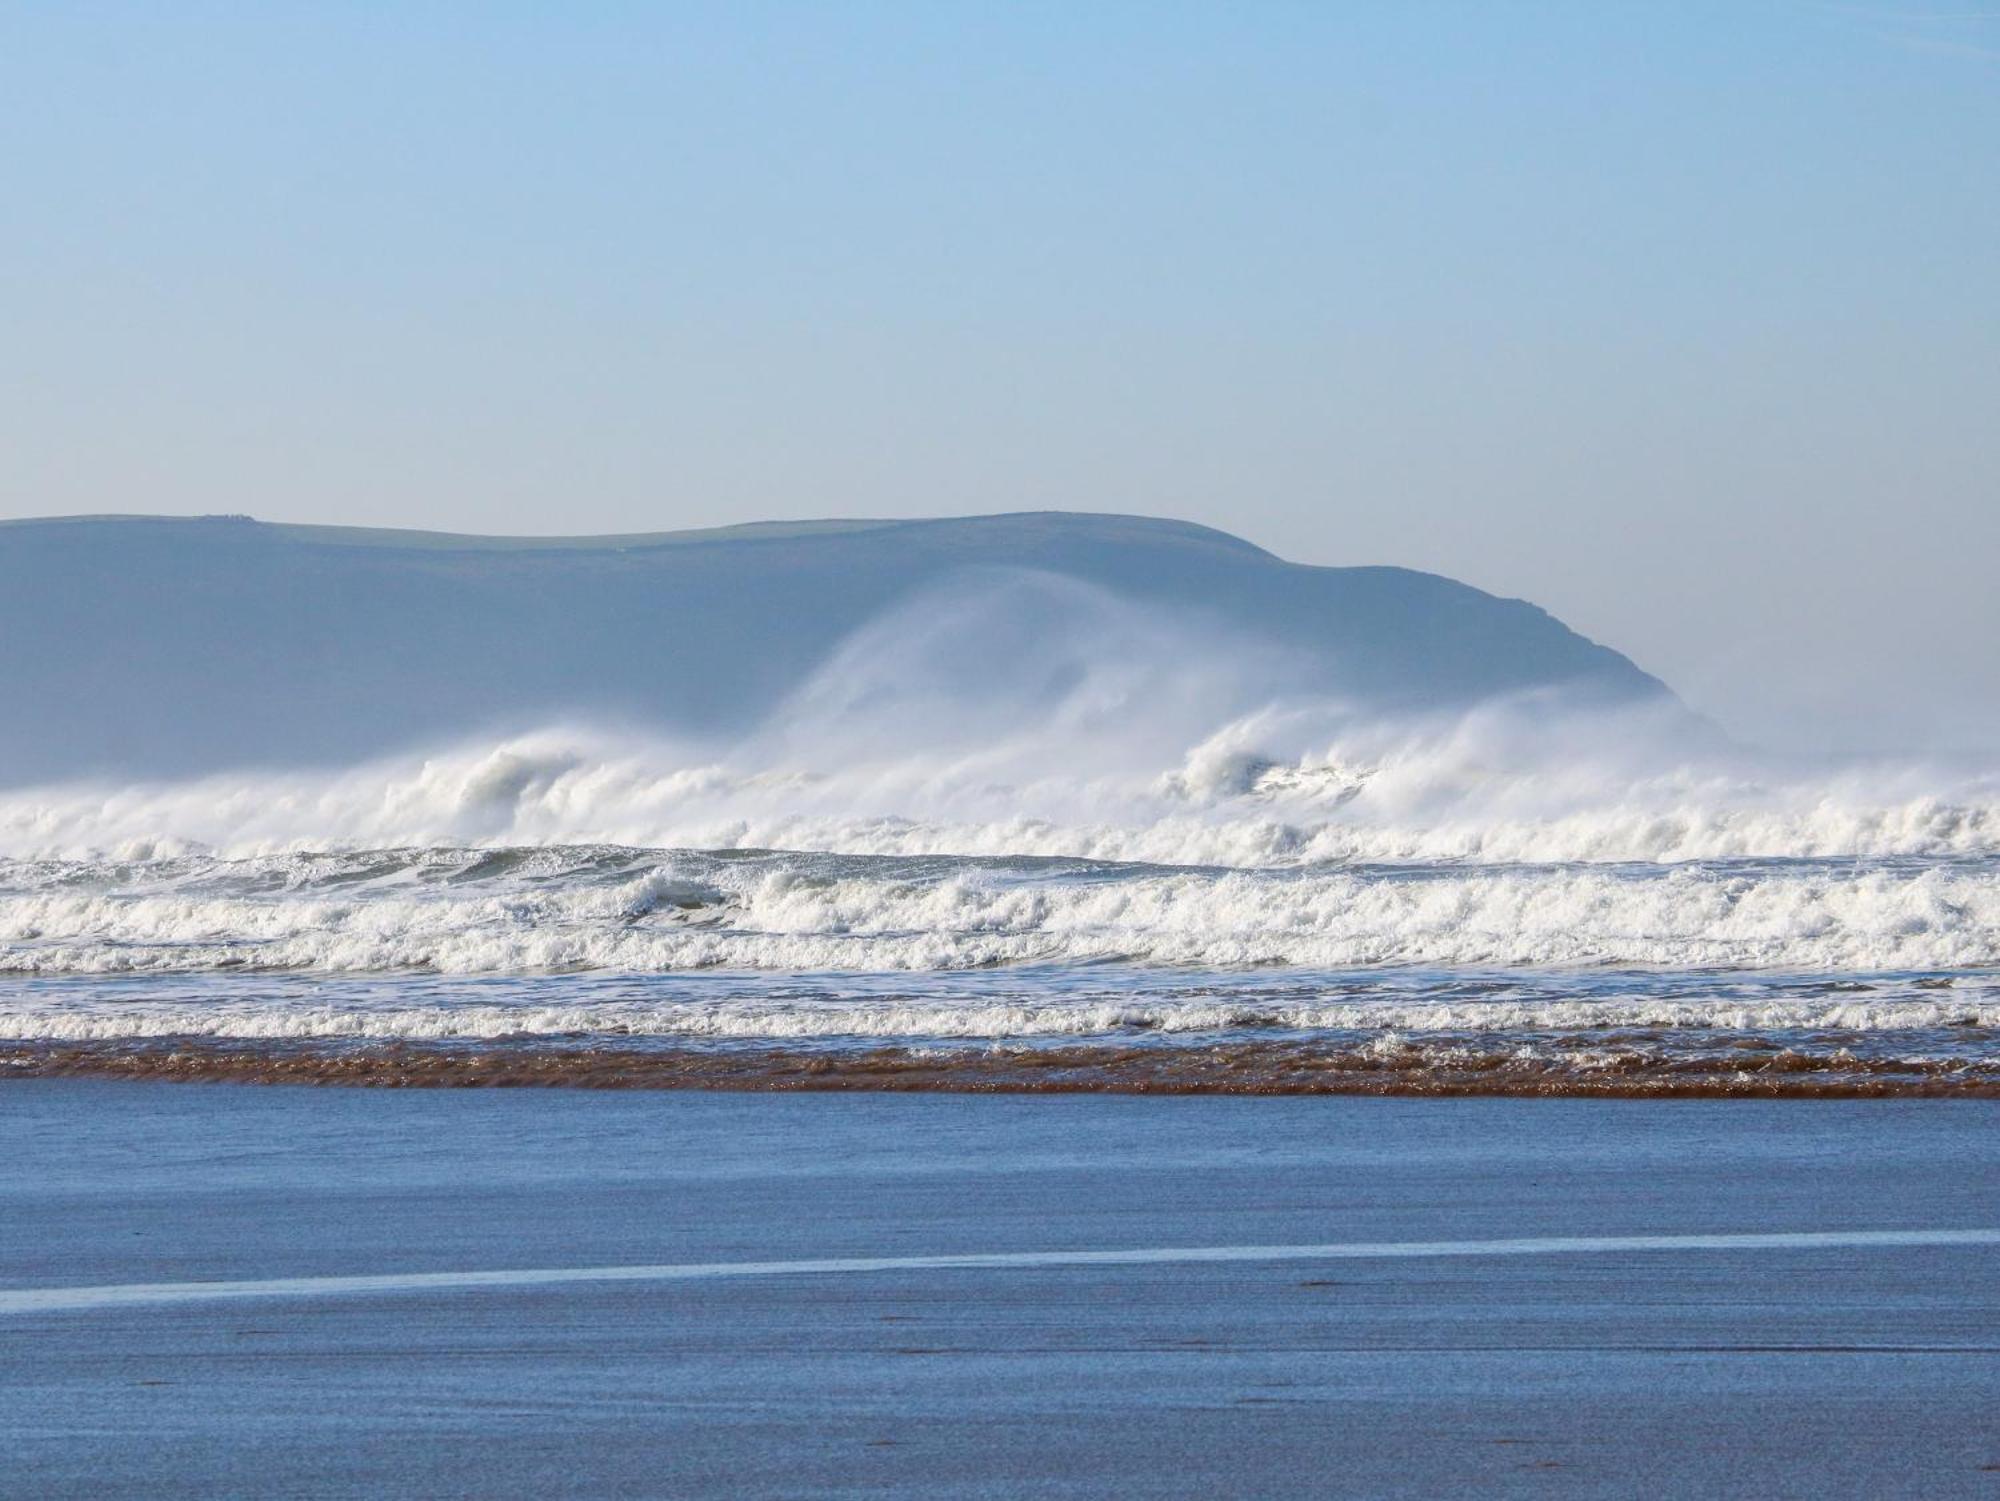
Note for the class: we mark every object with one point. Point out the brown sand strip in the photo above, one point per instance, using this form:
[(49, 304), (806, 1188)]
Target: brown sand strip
[(1256, 1068)]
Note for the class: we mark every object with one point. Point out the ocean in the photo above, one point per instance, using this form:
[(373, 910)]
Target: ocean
[(1448, 910)]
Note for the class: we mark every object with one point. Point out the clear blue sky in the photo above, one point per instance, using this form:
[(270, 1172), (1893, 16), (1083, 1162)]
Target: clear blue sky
[(1681, 320)]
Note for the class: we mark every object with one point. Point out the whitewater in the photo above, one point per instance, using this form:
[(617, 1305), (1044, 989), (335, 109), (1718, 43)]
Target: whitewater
[(589, 908), (1119, 855), (1394, 912)]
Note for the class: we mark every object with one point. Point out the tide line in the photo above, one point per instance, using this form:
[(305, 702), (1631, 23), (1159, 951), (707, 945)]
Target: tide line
[(138, 1294)]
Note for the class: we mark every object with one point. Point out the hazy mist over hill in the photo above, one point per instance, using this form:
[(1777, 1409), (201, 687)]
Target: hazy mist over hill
[(153, 646)]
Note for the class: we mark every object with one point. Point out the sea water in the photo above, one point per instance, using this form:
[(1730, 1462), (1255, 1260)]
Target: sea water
[(1452, 909)]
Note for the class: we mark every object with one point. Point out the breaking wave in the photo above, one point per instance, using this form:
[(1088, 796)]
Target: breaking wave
[(1282, 787), (598, 908), (1024, 714), (1034, 817), (1342, 1004)]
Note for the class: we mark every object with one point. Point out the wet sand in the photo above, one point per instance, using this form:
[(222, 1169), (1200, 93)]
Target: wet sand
[(1653, 1065), (992, 1296)]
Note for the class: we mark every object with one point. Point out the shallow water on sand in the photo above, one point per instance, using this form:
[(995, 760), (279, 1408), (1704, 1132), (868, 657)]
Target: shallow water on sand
[(1719, 1355)]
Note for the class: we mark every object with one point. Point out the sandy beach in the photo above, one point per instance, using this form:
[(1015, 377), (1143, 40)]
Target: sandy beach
[(336, 1292)]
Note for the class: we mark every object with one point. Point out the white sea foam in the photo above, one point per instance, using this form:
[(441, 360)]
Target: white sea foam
[(1162, 804), (1028, 715), (1275, 787), (459, 913), (95, 1019), (1020, 713), (1124, 793)]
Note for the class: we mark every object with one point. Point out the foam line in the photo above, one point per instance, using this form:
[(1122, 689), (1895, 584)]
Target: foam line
[(32, 1300), (657, 912)]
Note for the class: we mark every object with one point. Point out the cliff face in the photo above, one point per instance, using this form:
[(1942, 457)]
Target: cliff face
[(155, 646)]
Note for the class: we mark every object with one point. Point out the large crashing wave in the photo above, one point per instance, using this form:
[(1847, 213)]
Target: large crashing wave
[(1022, 769), (1286, 785)]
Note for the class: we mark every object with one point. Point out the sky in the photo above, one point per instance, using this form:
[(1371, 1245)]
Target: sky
[(1682, 321)]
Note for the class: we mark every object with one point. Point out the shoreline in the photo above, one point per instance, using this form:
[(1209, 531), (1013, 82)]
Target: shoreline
[(1261, 1068)]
